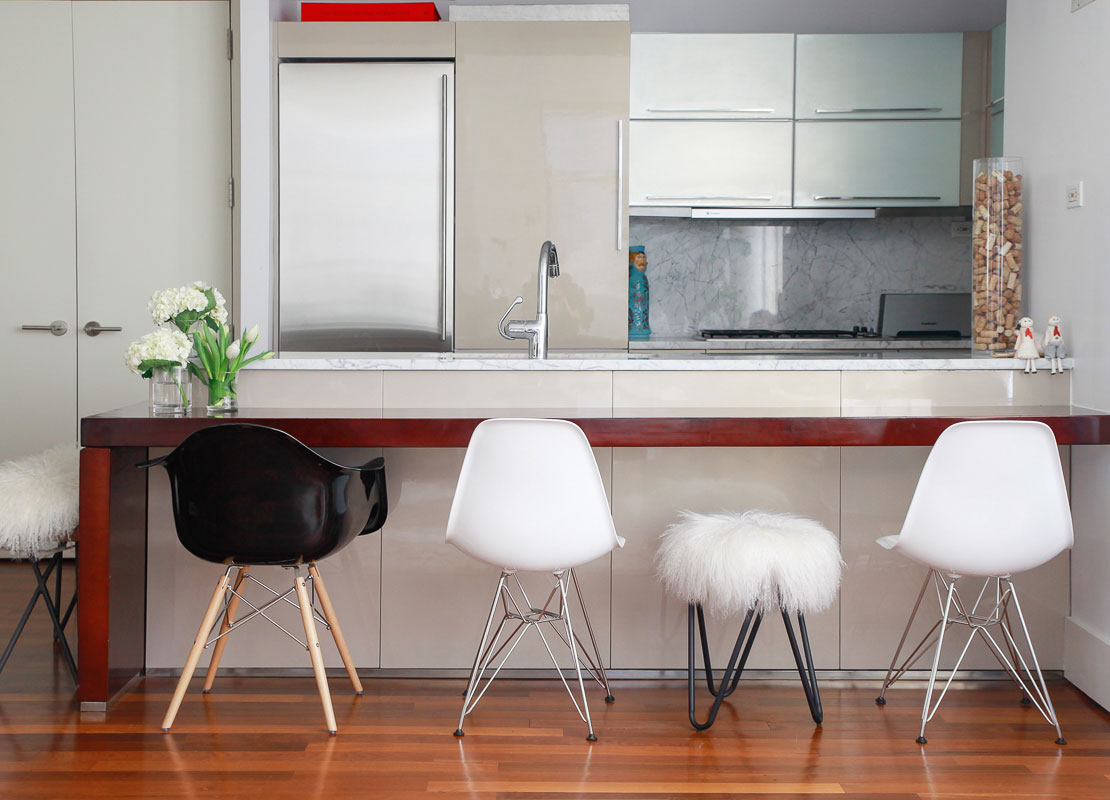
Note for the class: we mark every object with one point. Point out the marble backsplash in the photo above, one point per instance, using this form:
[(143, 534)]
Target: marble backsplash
[(792, 274)]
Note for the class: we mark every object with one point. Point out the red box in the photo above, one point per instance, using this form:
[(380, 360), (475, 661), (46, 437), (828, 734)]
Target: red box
[(369, 12)]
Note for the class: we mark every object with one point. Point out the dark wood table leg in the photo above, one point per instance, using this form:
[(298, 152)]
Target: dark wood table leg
[(111, 568)]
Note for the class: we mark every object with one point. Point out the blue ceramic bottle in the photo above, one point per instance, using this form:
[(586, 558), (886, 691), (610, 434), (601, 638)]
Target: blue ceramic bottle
[(638, 294)]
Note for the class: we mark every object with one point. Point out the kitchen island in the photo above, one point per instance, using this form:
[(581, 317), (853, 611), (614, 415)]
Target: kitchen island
[(823, 437)]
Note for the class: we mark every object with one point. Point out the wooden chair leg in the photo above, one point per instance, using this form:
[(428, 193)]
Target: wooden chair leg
[(221, 643), (314, 650), (336, 631), (194, 654)]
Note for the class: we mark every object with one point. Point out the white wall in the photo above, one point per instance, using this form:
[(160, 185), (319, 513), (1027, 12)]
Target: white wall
[(1057, 116)]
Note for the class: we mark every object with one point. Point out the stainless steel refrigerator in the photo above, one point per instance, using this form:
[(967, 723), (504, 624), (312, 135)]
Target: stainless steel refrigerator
[(365, 207)]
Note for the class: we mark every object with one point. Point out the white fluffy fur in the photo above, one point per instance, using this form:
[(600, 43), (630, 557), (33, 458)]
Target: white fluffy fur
[(38, 500), (729, 562)]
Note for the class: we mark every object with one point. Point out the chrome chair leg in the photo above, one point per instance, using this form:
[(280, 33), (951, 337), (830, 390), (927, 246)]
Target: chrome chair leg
[(926, 714), (591, 736), (480, 655), (888, 680), (600, 664), (1049, 712)]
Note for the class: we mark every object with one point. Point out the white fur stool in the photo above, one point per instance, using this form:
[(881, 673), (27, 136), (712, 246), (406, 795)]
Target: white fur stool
[(751, 562), (38, 515)]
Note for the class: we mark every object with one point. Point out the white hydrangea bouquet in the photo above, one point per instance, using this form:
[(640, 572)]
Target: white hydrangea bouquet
[(199, 318)]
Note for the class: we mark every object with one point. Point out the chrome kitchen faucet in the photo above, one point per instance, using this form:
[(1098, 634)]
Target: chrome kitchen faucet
[(534, 330)]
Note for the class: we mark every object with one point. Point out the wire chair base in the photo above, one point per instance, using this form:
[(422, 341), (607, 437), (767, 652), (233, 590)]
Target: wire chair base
[(519, 613), (996, 598)]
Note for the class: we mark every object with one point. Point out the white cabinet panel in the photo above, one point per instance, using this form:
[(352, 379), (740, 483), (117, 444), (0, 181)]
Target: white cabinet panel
[(877, 76), (869, 164), (730, 76), (37, 236), (153, 119), (710, 163)]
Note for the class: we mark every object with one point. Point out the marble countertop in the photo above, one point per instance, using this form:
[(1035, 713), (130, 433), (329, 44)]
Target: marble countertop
[(793, 345), (660, 361)]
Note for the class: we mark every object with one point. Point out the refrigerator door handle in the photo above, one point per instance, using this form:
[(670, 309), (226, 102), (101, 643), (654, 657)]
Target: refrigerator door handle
[(443, 205)]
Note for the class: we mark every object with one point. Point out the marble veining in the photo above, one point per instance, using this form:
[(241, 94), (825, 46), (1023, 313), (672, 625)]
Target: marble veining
[(795, 274)]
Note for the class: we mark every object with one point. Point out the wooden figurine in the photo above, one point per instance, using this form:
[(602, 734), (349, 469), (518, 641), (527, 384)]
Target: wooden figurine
[(1027, 345), (1053, 345)]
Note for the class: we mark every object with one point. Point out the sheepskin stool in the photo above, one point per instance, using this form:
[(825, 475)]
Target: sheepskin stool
[(38, 515), (751, 562)]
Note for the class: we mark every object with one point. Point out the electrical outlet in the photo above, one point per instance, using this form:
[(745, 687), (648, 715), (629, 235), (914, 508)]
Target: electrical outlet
[(1078, 4), (961, 230), (1073, 195)]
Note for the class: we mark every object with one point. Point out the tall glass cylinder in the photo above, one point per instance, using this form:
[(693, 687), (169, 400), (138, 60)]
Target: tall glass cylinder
[(171, 390), (998, 253)]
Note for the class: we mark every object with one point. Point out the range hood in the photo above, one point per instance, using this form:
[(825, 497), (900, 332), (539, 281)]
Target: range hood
[(696, 212)]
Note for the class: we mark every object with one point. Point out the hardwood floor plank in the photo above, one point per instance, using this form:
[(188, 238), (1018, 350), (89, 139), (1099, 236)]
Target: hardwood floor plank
[(262, 737)]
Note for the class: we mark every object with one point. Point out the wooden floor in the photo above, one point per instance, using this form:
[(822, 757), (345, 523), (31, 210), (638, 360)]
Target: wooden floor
[(264, 738)]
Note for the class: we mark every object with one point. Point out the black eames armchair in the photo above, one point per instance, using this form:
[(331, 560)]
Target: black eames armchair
[(249, 495)]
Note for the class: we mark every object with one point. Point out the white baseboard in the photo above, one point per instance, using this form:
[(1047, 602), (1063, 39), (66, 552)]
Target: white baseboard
[(1087, 661)]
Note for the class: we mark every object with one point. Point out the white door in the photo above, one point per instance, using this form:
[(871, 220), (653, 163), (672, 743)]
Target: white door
[(710, 163), (153, 106), (37, 238)]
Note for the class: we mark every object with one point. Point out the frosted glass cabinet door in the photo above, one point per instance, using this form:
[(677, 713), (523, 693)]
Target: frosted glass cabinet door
[(870, 164), (709, 163), (879, 76), (718, 76)]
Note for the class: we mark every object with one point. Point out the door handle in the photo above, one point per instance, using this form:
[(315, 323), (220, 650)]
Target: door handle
[(58, 327), (94, 328)]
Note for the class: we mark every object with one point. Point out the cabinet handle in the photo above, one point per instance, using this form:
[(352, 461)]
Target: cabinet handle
[(94, 328), (620, 184), (875, 197), (765, 198), (443, 207), (996, 101), (58, 327), (921, 110), (711, 110)]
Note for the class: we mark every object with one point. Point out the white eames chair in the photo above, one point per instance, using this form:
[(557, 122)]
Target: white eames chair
[(530, 499), (969, 524)]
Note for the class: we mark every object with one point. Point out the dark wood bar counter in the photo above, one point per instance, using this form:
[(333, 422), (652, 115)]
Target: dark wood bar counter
[(113, 524)]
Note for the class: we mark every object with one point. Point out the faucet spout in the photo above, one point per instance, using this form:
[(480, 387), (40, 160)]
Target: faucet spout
[(534, 330)]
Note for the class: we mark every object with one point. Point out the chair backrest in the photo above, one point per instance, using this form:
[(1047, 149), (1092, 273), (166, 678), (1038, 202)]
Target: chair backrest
[(991, 500), (250, 494), (530, 497)]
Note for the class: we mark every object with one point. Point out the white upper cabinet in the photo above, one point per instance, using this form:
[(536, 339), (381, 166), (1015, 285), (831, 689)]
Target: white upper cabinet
[(712, 76), (720, 163), (879, 76), (877, 163)]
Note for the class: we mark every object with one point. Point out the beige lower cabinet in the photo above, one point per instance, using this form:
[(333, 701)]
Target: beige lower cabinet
[(435, 599), (541, 135), (880, 586), (650, 485)]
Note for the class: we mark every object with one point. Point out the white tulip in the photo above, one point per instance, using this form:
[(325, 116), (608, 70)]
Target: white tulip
[(251, 334), (233, 350)]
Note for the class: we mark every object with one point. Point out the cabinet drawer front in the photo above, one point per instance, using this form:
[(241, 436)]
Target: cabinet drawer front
[(879, 76), (724, 164), (877, 164), (718, 76)]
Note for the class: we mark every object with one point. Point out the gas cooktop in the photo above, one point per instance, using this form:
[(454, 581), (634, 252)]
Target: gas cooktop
[(797, 333)]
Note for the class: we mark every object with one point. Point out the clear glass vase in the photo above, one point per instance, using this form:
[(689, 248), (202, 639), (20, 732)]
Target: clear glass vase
[(998, 254), (222, 396), (171, 390)]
